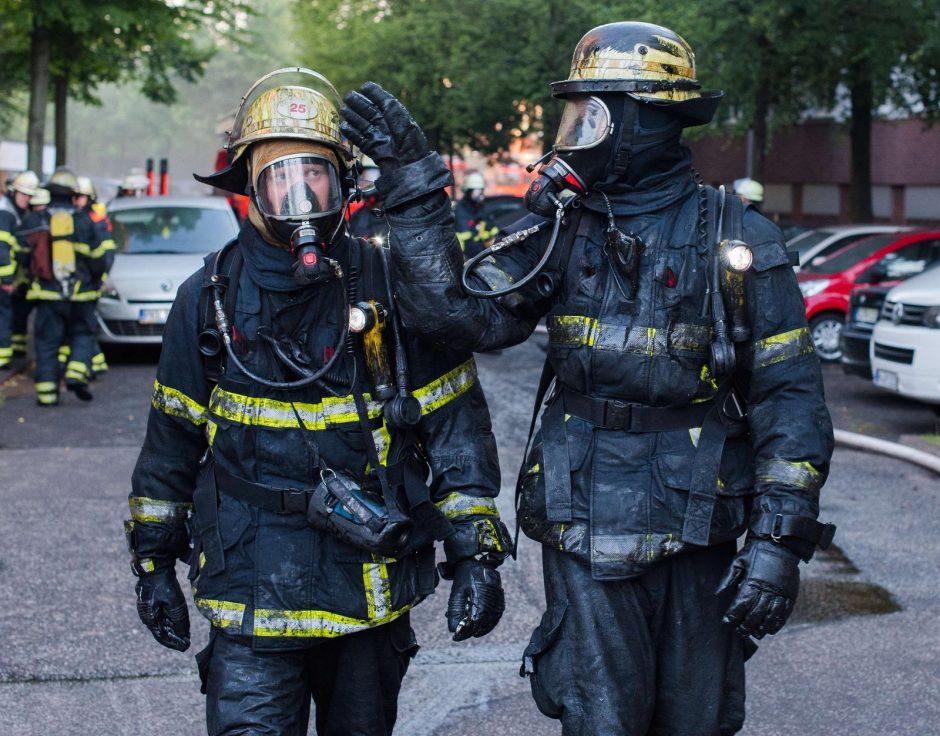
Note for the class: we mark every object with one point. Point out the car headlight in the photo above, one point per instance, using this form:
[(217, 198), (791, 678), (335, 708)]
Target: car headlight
[(932, 317), (109, 290), (812, 288)]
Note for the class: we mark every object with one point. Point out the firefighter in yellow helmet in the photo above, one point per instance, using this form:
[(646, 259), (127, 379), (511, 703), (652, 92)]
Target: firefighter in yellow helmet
[(14, 206), (473, 232), (686, 405), (283, 447), (65, 268)]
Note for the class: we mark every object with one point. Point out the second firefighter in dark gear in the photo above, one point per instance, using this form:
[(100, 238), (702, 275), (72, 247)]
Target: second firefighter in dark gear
[(292, 430), (38, 203), (65, 270), (14, 206), (684, 404), (86, 201), (473, 231), (369, 220)]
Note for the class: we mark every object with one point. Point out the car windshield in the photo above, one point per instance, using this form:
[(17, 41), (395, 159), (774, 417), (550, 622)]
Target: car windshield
[(171, 229), (803, 242), (851, 254)]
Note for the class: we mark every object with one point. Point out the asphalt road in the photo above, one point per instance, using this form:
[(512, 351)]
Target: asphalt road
[(860, 657)]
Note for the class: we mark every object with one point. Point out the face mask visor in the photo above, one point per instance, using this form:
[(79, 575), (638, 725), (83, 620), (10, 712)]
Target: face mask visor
[(585, 123), (298, 188)]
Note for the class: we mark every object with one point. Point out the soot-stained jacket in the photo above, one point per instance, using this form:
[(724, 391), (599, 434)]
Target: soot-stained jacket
[(270, 576), (637, 497)]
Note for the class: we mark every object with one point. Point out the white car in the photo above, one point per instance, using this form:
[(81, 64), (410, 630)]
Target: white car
[(160, 241), (824, 241), (905, 344)]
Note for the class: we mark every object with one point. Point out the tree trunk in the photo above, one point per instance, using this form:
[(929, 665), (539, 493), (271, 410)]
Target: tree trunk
[(762, 103), (860, 131), (38, 97), (60, 84)]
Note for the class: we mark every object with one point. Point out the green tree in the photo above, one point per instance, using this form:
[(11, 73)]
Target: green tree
[(78, 45)]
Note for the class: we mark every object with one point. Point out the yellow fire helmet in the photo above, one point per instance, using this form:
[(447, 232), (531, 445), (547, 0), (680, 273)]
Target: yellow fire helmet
[(26, 182), (62, 181), (86, 187), (293, 102), (40, 198), (648, 62)]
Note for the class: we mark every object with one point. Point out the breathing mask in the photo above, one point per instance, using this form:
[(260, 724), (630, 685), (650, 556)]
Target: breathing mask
[(300, 200)]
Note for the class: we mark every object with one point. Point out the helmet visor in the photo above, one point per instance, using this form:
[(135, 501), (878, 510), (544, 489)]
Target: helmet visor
[(585, 122), (299, 187)]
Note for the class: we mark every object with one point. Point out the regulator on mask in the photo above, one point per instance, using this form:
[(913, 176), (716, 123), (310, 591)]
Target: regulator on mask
[(300, 199)]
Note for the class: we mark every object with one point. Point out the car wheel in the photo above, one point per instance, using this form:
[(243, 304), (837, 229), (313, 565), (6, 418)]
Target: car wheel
[(826, 331)]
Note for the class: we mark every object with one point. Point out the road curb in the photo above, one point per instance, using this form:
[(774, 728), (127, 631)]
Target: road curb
[(891, 449)]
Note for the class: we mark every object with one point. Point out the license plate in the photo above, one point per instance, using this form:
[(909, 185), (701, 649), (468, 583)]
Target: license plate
[(866, 314), (886, 379), (153, 316)]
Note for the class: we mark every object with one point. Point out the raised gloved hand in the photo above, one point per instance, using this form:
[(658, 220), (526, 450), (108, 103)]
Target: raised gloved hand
[(767, 578), (476, 600), (379, 125), (162, 608)]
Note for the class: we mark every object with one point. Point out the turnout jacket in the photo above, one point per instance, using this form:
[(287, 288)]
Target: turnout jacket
[(10, 222), (270, 576), (621, 499)]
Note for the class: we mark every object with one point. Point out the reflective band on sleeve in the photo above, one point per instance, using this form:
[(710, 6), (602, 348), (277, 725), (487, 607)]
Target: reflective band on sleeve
[(104, 247), (177, 404), (789, 473), (146, 565), (319, 624), (378, 592), (7, 270), (447, 388), (778, 348), (572, 329), (459, 504), (7, 237), (222, 614), (154, 509), (275, 414)]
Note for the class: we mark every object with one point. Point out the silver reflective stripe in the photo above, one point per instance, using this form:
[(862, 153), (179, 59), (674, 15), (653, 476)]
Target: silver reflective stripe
[(448, 387), (458, 504), (276, 414), (779, 348), (789, 473), (378, 592), (222, 614), (579, 330), (318, 624), (175, 403), (153, 509)]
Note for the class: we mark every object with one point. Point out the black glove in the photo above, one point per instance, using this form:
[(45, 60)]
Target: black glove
[(162, 608), (476, 600), (379, 125), (767, 578)]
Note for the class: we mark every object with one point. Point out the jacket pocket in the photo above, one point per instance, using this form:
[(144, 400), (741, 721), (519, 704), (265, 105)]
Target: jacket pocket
[(543, 661)]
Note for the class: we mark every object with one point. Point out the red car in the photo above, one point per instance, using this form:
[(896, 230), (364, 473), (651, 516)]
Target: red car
[(882, 260)]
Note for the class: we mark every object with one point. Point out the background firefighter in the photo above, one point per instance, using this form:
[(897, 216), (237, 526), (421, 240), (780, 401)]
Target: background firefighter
[(661, 440), (280, 445)]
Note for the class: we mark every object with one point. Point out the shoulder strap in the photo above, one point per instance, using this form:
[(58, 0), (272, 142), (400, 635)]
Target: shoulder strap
[(227, 267)]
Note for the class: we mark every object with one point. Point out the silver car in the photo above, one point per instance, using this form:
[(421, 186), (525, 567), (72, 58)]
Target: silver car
[(161, 241)]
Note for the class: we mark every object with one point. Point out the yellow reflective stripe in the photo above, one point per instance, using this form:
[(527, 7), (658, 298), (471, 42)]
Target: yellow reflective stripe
[(82, 249), (211, 429), (7, 237), (77, 371), (154, 509), (47, 386), (103, 248), (257, 411), (177, 404), (320, 624), (7, 270), (38, 293), (84, 296), (378, 592), (6, 352), (785, 346), (146, 565), (572, 329), (459, 504), (383, 442), (447, 388), (222, 614), (789, 473)]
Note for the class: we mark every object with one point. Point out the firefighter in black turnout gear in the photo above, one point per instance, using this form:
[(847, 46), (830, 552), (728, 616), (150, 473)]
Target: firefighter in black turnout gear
[(685, 401), (14, 207), (304, 452)]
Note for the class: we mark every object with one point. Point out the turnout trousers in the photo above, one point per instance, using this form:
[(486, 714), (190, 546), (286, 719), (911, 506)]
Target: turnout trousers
[(6, 329), (353, 680), (644, 656), (55, 322)]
